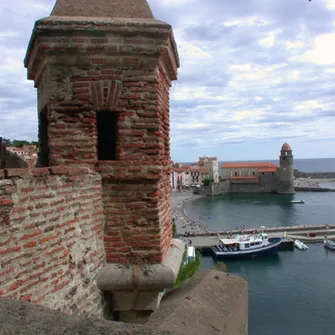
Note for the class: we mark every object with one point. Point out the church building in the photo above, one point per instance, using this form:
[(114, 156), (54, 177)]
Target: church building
[(261, 177)]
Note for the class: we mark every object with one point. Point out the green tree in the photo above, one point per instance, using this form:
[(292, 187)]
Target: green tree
[(207, 181)]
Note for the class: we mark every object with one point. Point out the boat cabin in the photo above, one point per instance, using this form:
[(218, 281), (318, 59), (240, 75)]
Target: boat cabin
[(244, 242)]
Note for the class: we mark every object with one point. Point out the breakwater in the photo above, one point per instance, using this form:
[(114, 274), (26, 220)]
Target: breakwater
[(314, 175)]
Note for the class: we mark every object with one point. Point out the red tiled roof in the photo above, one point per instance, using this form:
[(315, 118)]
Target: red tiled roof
[(181, 169), (202, 170), (269, 169), (256, 165)]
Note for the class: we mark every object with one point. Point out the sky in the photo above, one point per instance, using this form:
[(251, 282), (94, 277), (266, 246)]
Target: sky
[(253, 74)]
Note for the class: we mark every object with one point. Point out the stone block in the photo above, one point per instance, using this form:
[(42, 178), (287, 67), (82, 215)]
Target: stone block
[(211, 303)]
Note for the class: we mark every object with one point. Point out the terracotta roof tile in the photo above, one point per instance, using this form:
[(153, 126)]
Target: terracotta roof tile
[(269, 169), (255, 165)]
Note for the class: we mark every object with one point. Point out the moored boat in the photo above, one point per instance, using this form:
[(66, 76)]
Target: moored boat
[(328, 244), (300, 245), (297, 201), (241, 246)]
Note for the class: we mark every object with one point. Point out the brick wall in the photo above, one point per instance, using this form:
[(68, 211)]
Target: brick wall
[(51, 237)]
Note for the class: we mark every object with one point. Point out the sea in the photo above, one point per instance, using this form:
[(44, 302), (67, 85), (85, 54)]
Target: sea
[(292, 293)]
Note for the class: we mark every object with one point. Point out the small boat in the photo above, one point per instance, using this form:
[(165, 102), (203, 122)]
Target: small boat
[(190, 254), (242, 246), (297, 201), (328, 244), (300, 245)]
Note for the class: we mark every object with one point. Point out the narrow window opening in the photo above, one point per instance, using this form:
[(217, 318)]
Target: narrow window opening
[(43, 136), (106, 130)]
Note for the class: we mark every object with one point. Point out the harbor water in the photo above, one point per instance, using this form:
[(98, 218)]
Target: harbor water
[(293, 292)]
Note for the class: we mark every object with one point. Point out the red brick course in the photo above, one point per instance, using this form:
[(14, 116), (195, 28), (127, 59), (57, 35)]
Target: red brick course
[(44, 238)]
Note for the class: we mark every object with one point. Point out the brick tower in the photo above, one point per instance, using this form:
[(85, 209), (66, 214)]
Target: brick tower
[(103, 69)]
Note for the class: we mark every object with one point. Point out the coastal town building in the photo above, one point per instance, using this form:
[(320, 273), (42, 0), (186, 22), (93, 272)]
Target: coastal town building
[(212, 164), (261, 177), (28, 153), (192, 175), (184, 176)]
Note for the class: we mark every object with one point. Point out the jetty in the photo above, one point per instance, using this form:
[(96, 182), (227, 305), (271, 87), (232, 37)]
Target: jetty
[(306, 234)]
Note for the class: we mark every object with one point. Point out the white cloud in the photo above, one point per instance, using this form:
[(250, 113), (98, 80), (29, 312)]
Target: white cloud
[(268, 41), (322, 52)]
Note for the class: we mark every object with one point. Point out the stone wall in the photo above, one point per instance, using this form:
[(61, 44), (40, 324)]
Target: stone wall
[(210, 303), (244, 188), (51, 237), (268, 182), (219, 188)]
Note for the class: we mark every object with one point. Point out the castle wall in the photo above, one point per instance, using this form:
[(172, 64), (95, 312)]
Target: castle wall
[(51, 237), (244, 188)]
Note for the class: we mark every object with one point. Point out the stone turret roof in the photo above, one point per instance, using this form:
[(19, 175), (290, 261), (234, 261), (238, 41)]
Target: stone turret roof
[(138, 9)]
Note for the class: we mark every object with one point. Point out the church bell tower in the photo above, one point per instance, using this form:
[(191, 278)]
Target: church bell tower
[(286, 171)]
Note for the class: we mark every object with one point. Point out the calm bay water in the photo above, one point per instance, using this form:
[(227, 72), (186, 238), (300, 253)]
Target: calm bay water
[(294, 292), (269, 210)]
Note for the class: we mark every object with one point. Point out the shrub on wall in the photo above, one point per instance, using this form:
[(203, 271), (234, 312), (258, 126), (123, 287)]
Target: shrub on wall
[(174, 229), (188, 268)]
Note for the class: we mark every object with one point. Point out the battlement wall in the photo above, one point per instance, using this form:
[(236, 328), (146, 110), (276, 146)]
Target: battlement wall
[(51, 237)]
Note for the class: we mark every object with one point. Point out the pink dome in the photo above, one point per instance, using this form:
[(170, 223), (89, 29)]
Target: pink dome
[(286, 147)]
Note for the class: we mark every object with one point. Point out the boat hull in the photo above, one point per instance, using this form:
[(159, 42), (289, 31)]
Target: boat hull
[(259, 252), (329, 246)]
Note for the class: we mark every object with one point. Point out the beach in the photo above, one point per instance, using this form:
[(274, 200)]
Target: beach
[(184, 225)]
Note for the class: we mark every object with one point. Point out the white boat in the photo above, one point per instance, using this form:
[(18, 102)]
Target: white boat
[(300, 245), (241, 246), (297, 201)]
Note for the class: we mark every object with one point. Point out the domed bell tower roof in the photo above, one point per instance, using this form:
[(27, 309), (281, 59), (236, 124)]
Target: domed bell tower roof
[(286, 147)]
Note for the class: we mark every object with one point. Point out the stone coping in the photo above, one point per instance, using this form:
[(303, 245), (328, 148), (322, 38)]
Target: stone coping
[(211, 303), (45, 171), (18, 317)]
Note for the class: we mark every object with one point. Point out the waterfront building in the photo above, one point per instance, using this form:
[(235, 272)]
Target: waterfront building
[(260, 177), (184, 176), (212, 164)]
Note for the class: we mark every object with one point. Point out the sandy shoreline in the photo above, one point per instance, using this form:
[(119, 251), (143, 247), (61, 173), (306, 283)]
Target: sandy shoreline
[(185, 226)]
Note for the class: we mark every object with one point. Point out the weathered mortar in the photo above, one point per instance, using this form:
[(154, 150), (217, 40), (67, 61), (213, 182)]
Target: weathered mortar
[(51, 237)]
